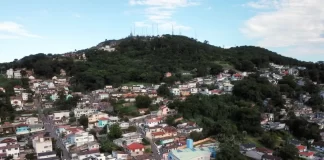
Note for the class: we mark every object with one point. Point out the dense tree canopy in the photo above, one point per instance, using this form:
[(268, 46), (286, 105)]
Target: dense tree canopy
[(144, 59)]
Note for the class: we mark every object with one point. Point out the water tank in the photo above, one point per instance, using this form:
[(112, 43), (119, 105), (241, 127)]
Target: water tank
[(190, 143)]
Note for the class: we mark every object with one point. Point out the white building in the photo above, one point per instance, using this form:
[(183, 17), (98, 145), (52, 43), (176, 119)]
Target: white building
[(78, 112), (42, 143), (32, 120), (128, 139), (60, 114), (175, 91), (17, 74), (103, 96), (9, 147), (10, 73), (83, 138), (24, 96)]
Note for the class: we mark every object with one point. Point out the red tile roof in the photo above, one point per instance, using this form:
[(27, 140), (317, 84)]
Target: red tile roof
[(306, 154), (103, 119), (301, 147), (134, 146), (10, 146), (157, 133), (8, 140), (22, 125), (170, 129)]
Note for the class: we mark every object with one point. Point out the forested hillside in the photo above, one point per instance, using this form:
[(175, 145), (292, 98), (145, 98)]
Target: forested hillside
[(146, 59)]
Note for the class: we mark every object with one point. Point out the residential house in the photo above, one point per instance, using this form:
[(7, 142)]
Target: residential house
[(17, 102), (78, 112), (94, 118), (22, 129), (32, 120), (236, 77), (175, 91), (120, 155), (319, 145), (42, 143), (228, 87), (153, 122), (165, 111), (25, 96), (124, 125), (58, 115), (102, 96), (187, 128), (165, 132), (307, 155), (135, 149), (301, 148), (10, 73), (9, 147), (7, 128), (128, 139), (82, 138), (193, 90), (36, 128), (102, 122)]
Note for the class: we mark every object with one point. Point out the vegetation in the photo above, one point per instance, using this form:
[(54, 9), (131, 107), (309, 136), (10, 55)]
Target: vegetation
[(145, 60), (115, 132)]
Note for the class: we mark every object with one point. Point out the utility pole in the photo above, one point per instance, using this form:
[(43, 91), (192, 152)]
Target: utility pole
[(172, 29)]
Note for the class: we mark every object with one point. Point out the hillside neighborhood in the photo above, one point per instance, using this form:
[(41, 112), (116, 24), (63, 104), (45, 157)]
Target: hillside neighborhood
[(136, 121)]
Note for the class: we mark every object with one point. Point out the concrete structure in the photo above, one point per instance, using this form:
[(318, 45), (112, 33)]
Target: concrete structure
[(191, 153), (135, 149), (42, 143), (78, 112), (60, 114), (83, 138), (9, 147), (128, 139)]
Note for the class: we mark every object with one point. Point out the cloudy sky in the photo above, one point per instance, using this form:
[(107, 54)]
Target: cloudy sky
[(292, 28)]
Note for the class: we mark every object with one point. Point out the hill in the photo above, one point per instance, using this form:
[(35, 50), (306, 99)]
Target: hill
[(147, 59)]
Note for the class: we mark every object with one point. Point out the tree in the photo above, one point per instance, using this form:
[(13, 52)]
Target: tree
[(170, 120), (269, 140), (9, 157), (108, 146), (289, 152), (84, 121), (115, 132), (143, 101), (216, 69), (229, 151), (196, 136), (30, 156), (164, 91)]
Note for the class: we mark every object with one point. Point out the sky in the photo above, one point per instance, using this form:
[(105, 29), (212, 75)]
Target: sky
[(293, 28)]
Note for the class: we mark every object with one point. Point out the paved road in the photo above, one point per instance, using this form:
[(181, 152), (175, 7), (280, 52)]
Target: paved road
[(154, 149), (50, 127)]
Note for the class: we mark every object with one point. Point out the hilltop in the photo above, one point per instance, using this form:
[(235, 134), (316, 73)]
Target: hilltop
[(147, 59)]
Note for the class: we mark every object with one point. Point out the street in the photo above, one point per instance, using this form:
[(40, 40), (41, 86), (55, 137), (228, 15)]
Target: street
[(50, 127)]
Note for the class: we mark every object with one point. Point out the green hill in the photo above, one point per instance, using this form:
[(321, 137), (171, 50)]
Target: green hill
[(146, 59)]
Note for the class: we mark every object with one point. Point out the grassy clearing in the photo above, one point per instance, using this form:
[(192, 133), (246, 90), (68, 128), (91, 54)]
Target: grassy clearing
[(136, 83), (224, 64), (254, 140)]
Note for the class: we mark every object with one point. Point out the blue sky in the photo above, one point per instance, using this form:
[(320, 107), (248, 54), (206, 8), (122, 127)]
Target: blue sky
[(293, 28)]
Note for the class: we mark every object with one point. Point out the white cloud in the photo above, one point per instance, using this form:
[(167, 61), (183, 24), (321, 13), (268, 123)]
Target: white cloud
[(161, 12), (12, 30), (287, 23)]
